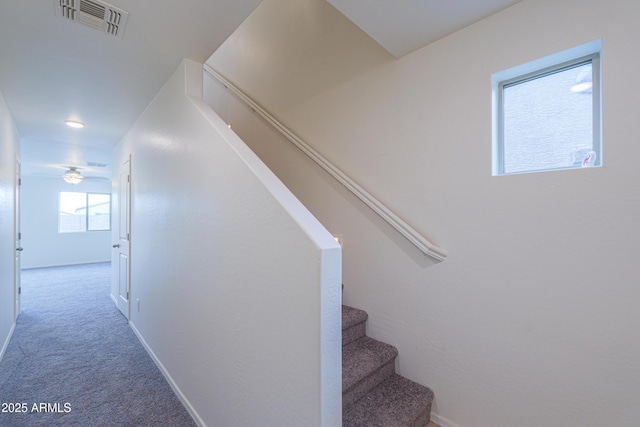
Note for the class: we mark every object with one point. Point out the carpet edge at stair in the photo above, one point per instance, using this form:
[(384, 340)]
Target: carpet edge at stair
[(396, 402)]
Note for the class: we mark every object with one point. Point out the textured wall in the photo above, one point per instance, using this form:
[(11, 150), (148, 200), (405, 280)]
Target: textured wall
[(9, 147), (530, 320), (239, 286)]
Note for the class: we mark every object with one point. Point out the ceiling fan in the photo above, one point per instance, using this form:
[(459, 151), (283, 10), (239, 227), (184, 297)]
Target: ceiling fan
[(73, 176)]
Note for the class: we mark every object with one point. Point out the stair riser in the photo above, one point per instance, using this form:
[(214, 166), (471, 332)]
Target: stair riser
[(362, 388), (423, 419), (353, 333), (373, 395), (397, 402)]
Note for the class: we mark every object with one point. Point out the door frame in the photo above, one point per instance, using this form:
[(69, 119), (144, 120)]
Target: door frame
[(122, 243), (17, 234)]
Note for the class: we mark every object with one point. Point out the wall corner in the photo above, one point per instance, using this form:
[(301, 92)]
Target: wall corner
[(192, 78)]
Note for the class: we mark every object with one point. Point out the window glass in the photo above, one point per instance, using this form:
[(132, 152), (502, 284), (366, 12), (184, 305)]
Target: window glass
[(80, 212), (99, 211), (73, 213), (548, 121)]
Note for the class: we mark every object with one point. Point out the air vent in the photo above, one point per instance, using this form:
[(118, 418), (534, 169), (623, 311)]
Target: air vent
[(97, 165), (93, 14)]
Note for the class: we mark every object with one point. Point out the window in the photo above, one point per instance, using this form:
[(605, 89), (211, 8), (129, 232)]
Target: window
[(79, 212), (548, 118)]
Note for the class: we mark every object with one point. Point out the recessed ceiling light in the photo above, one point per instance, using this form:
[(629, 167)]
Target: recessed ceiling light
[(74, 124)]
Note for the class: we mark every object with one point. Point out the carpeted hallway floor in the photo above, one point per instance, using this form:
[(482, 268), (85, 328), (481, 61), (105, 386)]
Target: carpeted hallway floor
[(74, 361)]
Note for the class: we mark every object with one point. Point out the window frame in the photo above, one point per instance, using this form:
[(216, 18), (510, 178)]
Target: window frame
[(86, 207), (562, 61)]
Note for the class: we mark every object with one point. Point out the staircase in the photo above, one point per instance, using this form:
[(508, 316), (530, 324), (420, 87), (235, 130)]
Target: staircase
[(373, 395)]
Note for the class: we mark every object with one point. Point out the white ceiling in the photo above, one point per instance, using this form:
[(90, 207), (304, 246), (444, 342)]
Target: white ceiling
[(52, 69)]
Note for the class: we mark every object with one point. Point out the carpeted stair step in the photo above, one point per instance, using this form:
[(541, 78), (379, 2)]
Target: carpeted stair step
[(397, 402), (365, 364), (372, 394), (353, 324)]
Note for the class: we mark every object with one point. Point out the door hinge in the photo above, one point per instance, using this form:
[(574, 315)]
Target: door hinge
[(19, 290), (19, 236)]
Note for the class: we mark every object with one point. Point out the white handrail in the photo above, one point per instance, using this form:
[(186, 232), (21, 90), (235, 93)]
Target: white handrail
[(385, 213)]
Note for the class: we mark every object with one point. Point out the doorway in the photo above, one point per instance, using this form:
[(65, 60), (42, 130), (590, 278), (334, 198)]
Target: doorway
[(59, 224)]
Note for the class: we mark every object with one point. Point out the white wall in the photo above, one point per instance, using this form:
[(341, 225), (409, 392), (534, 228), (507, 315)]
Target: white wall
[(9, 148), (43, 245), (238, 285), (531, 320)]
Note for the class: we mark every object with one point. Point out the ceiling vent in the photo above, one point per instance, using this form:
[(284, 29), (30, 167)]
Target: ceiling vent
[(93, 14), (97, 165)]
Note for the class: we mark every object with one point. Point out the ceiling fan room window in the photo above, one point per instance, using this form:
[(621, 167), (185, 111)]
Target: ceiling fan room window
[(80, 212)]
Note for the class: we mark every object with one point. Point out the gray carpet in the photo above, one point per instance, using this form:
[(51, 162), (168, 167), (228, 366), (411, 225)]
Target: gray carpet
[(373, 395), (73, 351)]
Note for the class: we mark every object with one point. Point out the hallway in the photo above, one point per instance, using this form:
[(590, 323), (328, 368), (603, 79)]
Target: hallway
[(73, 360)]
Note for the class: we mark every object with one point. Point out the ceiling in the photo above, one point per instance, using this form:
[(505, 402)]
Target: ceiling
[(53, 69), (406, 25)]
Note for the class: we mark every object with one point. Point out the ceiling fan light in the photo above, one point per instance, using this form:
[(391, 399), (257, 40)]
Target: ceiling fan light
[(72, 176)]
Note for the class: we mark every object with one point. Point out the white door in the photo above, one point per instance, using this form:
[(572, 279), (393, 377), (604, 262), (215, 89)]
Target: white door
[(18, 238), (122, 232)]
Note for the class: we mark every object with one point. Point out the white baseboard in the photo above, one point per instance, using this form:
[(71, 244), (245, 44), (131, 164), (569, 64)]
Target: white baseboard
[(435, 418), (31, 267), (6, 342), (442, 422), (170, 380)]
